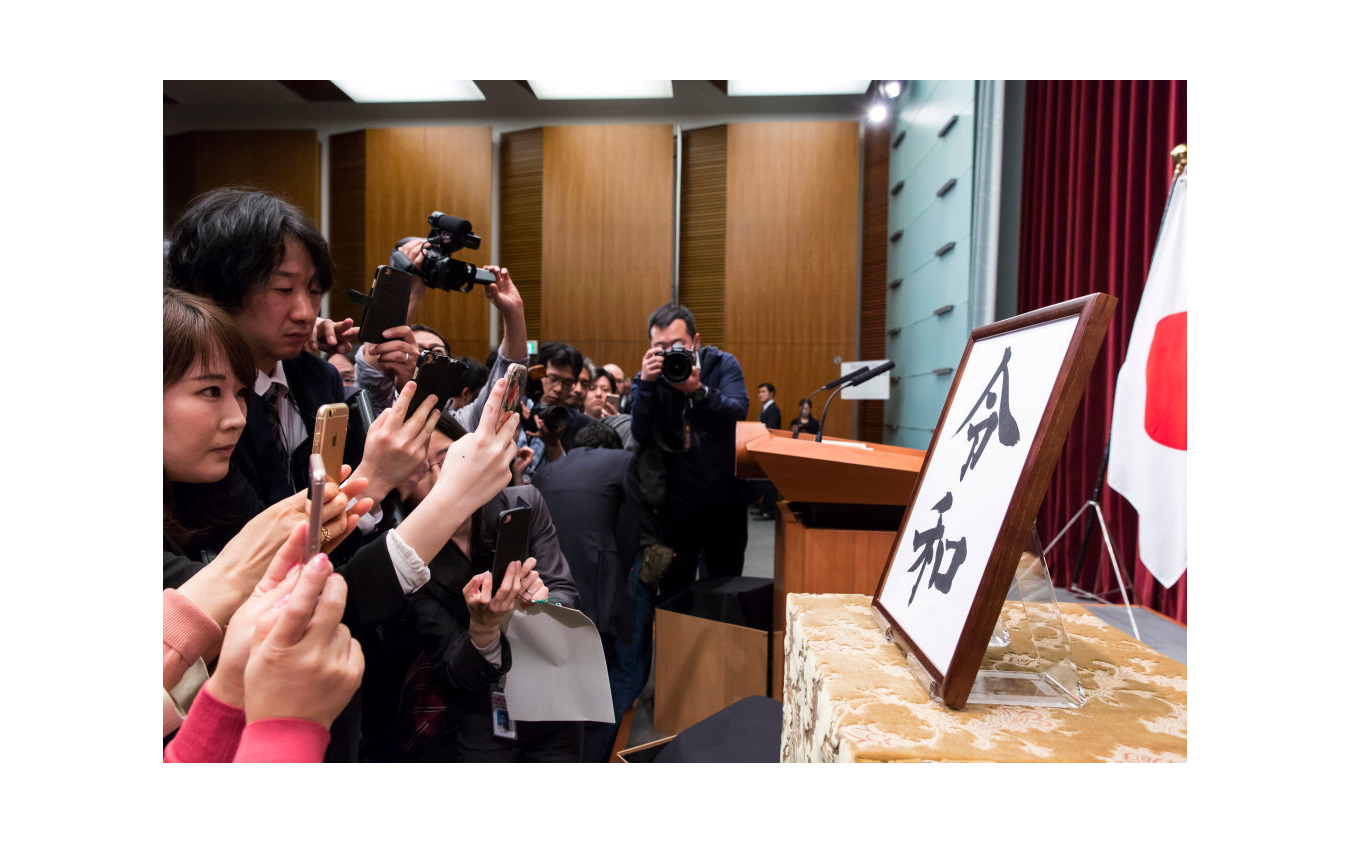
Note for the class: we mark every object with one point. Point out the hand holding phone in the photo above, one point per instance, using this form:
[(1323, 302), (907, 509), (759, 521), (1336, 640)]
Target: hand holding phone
[(387, 304), (330, 437), (437, 375), (515, 387), (513, 538), (318, 476)]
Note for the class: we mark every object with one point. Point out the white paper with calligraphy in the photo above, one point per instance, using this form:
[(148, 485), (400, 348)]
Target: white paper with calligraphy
[(973, 468)]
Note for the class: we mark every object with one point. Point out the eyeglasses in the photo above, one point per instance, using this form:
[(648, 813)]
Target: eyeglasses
[(554, 380)]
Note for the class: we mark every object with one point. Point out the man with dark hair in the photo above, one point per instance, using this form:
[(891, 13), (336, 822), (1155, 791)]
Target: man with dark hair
[(769, 413), (585, 377), (473, 382), (429, 339), (763, 494), (559, 369), (594, 512), (692, 420), (264, 261)]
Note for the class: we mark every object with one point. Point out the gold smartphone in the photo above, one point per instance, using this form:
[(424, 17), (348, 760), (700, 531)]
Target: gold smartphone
[(316, 484), (613, 399), (330, 438), (515, 385)]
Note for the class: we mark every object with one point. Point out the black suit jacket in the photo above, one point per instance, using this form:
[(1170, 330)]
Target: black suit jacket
[(771, 416), (596, 518), (313, 382)]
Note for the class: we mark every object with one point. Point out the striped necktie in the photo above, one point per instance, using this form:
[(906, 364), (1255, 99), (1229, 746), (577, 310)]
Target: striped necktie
[(272, 400)]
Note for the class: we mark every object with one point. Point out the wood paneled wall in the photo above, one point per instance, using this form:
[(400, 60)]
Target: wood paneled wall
[(792, 258), (522, 217), (285, 162), (608, 218), (385, 183), (873, 288), (703, 230)]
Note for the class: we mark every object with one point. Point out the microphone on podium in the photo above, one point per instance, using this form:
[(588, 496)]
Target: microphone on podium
[(836, 382), (852, 380)]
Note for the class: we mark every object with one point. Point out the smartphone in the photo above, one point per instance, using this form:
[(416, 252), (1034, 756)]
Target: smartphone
[(613, 399), (318, 476), (330, 437), (387, 304), (515, 386), (437, 375), (513, 539)]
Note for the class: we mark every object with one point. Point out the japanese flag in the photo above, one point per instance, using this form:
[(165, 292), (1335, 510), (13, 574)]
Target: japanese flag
[(1148, 425)]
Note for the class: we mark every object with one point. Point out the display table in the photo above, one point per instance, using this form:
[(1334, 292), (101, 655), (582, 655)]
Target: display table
[(848, 696)]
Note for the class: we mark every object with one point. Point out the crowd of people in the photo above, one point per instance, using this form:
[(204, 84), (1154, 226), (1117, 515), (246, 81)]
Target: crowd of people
[(387, 645)]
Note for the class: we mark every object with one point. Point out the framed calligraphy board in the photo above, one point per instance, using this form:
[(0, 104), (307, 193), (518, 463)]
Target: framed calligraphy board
[(984, 477)]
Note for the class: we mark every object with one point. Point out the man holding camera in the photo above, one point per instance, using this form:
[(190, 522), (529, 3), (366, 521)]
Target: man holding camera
[(686, 403)]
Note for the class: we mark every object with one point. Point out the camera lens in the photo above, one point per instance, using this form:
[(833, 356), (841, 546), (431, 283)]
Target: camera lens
[(677, 366)]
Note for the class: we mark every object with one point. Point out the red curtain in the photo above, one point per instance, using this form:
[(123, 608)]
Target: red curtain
[(1095, 179)]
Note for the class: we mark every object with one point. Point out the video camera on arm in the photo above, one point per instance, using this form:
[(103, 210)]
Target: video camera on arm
[(439, 270)]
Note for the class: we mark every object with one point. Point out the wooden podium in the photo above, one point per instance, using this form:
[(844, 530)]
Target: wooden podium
[(844, 500)]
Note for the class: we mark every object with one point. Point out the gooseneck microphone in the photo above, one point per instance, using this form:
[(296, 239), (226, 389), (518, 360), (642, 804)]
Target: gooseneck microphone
[(835, 383), (852, 381)]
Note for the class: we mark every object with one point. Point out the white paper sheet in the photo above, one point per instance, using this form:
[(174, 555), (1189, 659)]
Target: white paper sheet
[(557, 667), (979, 501)]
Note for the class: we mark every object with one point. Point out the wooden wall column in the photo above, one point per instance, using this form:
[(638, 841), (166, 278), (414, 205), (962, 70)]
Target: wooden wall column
[(607, 223), (792, 258), (384, 183)]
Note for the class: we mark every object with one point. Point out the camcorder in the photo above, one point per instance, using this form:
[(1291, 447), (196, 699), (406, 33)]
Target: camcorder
[(677, 364), (440, 270), (552, 415)]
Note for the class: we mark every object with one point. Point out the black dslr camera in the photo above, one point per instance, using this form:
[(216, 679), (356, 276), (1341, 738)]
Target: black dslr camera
[(439, 270), (678, 364)]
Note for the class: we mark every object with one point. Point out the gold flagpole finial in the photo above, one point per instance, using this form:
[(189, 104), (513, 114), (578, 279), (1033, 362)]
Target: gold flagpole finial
[(1178, 160)]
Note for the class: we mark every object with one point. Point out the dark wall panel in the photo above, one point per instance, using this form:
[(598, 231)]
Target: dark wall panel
[(285, 162)]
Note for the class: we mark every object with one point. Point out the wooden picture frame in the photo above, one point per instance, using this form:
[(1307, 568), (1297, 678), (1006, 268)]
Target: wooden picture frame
[(949, 630)]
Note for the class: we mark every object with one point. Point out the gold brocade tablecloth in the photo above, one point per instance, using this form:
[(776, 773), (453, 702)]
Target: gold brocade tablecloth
[(848, 696)]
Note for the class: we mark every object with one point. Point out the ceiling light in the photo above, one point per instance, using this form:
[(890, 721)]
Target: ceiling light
[(891, 88), (876, 113), (797, 88), (602, 89), (409, 90)]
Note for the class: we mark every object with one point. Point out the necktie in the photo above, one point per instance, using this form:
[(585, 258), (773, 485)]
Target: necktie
[(272, 400)]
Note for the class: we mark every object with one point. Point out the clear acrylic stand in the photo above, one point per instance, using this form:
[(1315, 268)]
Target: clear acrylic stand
[(1028, 662)]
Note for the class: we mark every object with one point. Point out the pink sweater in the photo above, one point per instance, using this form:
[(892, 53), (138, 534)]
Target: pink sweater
[(214, 731), (188, 633)]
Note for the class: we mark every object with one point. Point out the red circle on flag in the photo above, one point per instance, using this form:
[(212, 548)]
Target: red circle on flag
[(1165, 397)]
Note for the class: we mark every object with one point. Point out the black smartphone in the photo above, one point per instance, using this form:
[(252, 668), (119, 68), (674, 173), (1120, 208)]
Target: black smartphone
[(387, 304), (513, 540), (437, 375)]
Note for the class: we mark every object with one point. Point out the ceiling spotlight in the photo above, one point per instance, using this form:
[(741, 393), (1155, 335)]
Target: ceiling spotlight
[(891, 88), (876, 113)]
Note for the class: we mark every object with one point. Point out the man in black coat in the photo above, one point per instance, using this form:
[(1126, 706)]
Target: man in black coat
[(763, 493), (263, 261), (596, 518), (692, 420)]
